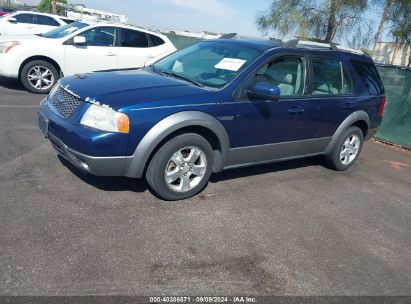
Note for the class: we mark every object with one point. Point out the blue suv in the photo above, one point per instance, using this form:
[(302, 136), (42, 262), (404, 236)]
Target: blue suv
[(216, 105)]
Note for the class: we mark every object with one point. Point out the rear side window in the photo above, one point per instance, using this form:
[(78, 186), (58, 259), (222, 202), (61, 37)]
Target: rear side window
[(131, 38), (156, 40), (24, 18), (330, 77), (45, 20), (369, 74)]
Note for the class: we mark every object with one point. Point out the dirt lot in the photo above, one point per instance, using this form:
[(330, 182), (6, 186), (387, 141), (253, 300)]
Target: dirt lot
[(293, 228)]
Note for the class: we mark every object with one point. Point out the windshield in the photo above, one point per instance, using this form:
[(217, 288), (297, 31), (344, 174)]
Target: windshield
[(212, 64), (64, 30)]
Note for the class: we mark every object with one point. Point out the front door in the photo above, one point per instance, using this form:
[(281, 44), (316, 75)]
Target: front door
[(99, 53), (266, 129), (24, 25)]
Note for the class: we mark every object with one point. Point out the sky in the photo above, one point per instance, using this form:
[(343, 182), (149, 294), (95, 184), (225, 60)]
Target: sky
[(221, 16), (194, 15)]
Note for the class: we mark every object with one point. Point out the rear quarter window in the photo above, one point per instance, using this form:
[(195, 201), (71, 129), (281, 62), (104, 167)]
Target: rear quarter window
[(370, 77), (156, 40)]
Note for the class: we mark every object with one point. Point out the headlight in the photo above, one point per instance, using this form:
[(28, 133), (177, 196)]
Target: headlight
[(6, 46), (105, 119)]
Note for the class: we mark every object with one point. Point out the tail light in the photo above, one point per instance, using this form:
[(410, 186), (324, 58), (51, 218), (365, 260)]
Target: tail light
[(383, 103)]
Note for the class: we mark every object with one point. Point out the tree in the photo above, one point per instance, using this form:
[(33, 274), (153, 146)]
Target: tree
[(387, 9), (400, 20), (50, 6), (325, 20)]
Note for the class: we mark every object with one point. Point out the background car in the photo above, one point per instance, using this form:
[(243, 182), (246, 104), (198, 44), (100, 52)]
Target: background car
[(6, 10), (40, 60), (26, 22)]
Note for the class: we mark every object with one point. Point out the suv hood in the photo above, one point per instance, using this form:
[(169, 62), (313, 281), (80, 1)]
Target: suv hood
[(122, 88)]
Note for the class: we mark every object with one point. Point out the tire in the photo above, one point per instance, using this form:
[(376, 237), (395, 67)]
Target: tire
[(36, 69), (185, 177), (350, 141)]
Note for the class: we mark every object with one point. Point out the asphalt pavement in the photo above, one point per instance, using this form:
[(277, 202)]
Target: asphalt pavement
[(293, 228)]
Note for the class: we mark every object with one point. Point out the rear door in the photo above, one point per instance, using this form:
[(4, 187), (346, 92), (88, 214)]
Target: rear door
[(137, 47), (99, 53), (331, 99), (45, 24)]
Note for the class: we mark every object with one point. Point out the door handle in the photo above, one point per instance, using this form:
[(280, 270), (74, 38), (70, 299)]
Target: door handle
[(111, 54), (296, 110), (348, 105)]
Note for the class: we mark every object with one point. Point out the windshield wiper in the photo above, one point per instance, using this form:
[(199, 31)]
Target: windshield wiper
[(175, 75)]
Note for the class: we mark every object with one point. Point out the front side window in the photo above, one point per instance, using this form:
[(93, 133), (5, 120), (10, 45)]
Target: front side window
[(131, 38), (330, 77), (286, 72), (213, 64), (45, 20), (100, 36), (24, 18)]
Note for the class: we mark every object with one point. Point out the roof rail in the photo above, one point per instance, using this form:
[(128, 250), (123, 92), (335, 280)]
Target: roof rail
[(228, 36), (331, 46)]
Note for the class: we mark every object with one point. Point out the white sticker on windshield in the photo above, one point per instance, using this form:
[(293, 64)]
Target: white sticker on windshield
[(230, 64)]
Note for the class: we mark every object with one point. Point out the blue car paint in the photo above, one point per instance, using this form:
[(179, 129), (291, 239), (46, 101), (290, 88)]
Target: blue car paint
[(147, 98)]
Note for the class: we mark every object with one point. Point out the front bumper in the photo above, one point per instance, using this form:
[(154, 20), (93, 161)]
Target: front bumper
[(8, 67), (100, 166), (61, 133)]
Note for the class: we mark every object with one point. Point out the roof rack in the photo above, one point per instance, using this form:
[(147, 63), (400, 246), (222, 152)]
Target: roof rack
[(319, 45), (228, 36)]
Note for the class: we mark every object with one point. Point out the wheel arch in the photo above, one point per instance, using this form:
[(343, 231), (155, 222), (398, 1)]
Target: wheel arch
[(359, 119), (183, 122), (39, 57)]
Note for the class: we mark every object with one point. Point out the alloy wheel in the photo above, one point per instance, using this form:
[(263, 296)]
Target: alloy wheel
[(185, 169), (350, 149), (40, 77)]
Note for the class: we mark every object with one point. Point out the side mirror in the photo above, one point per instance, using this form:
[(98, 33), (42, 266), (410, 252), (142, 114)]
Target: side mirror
[(79, 40), (264, 91), (12, 20)]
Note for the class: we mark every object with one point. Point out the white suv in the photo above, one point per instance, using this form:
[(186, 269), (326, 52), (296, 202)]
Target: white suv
[(26, 23), (40, 60)]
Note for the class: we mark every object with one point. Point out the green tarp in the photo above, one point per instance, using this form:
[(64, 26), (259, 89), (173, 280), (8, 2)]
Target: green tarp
[(396, 123)]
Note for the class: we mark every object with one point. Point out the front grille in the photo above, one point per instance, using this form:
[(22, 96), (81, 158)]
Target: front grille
[(63, 102)]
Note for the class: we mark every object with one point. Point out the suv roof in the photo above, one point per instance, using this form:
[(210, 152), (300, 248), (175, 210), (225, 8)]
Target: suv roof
[(265, 45)]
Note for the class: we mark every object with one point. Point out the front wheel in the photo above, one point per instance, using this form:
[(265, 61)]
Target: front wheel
[(39, 76), (346, 150), (181, 167)]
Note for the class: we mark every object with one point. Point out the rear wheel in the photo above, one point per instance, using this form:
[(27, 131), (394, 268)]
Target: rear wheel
[(181, 167), (346, 150), (39, 76)]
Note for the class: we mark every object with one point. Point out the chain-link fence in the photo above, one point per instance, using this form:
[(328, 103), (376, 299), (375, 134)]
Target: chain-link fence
[(396, 124)]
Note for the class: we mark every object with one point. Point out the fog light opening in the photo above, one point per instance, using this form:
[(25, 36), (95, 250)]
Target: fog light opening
[(84, 165)]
